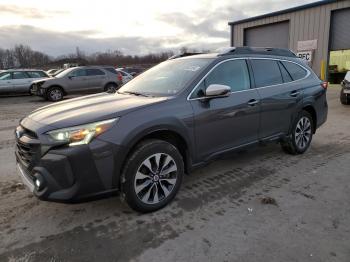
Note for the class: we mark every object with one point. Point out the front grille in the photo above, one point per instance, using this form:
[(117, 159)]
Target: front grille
[(27, 147)]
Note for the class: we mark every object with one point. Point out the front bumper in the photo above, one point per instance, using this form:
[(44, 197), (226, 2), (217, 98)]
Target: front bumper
[(69, 174)]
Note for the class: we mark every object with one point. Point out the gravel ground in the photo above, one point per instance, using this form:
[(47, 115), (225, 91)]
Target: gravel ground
[(255, 205)]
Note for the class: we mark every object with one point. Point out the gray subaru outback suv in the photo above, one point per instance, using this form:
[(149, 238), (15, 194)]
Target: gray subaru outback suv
[(169, 120), (81, 79)]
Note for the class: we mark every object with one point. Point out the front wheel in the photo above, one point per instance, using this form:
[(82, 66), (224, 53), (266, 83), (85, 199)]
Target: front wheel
[(54, 94), (152, 175), (344, 98), (301, 135)]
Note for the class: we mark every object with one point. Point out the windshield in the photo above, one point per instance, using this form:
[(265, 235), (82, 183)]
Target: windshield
[(167, 78), (65, 72)]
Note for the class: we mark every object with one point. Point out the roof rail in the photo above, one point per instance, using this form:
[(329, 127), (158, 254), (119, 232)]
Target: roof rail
[(183, 55), (247, 50)]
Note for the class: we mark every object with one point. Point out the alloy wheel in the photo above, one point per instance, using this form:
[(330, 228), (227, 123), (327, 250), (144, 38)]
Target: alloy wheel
[(155, 178), (303, 132), (55, 94)]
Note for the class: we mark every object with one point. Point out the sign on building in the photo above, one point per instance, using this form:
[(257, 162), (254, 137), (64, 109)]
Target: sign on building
[(305, 55), (307, 45)]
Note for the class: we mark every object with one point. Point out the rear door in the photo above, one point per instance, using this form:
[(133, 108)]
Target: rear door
[(225, 123), (21, 81), (5, 82), (280, 96)]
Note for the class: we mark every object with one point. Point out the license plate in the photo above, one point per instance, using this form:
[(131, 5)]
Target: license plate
[(25, 178), (346, 91)]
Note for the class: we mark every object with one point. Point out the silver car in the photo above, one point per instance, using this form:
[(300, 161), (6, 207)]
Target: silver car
[(19, 81), (125, 76), (82, 79)]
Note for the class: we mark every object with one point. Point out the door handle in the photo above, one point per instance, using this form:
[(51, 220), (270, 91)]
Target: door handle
[(294, 93), (253, 102)]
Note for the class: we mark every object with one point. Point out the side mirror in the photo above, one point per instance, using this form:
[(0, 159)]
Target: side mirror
[(215, 90)]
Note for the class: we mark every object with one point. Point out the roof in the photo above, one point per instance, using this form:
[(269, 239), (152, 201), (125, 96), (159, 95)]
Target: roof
[(289, 10)]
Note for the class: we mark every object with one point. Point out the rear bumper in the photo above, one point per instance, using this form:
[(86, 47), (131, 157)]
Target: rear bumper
[(72, 174)]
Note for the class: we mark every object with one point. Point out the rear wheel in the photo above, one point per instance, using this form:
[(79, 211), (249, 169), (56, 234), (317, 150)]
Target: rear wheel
[(152, 175), (111, 88), (54, 94), (344, 98), (301, 136)]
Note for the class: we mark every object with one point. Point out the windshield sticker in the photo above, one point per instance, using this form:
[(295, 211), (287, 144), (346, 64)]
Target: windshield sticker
[(192, 68)]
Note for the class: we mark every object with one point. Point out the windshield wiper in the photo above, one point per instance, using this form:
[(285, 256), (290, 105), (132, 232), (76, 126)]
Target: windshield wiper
[(133, 93)]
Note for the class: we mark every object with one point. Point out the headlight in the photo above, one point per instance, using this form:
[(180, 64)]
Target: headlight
[(79, 135)]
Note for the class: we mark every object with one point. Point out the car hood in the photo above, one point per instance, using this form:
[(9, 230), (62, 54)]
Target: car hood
[(89, 109), (42, 79)]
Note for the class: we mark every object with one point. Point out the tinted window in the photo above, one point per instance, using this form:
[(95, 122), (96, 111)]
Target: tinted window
[(5, 76), (296, 72), (79, 72), (111, 70), (266, 72), (94, 72), (36, 74), (19, 75), (285, 75), (231, 73)]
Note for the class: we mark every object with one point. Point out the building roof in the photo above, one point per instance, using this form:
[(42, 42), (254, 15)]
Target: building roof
[(289, 10)]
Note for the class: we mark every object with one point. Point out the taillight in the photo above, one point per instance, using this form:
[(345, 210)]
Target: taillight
[(120, 77), (324, 85)]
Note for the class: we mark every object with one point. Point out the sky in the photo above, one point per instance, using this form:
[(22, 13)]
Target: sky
[(130, 26)]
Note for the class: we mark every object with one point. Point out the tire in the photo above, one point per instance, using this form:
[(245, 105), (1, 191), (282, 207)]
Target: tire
[(145, 186), (111, 88), (298, 144), (344, 98), (54, 94)]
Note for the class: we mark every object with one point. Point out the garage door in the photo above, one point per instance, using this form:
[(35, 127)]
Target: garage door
[(340, 30), (273, 35)]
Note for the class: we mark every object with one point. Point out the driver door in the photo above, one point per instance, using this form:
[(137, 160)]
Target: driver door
[(224, 123)]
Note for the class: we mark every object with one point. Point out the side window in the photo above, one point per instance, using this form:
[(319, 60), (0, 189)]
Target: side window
[(285, 75), (266, 72), (296, 71), (5, 76), (78, 72), (36, 74), (94, 72), (19, 75), (231, 73), (111, 70)]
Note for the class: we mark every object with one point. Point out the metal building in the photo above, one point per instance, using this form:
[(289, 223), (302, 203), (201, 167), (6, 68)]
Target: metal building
[(318, 32)]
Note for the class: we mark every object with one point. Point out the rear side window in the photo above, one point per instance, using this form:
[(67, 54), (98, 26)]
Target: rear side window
[(295, 71), (19, 75), (266, 72), (285, 75), (36, 74), (94, 72), (111, 70)]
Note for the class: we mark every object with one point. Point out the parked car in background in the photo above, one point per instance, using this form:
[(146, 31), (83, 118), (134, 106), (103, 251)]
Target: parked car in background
[(178, 115), (52, 72), (125, 76), (19, 80), (81, 79), (132, 70), (345, 91)]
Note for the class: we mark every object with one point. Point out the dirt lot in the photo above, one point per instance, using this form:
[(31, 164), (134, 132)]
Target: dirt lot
[(218, 215)]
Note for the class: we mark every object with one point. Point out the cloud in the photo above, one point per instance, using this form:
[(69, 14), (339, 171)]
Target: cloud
[(58, 43), (26, 12)]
